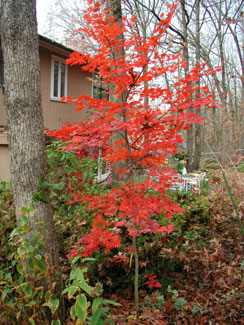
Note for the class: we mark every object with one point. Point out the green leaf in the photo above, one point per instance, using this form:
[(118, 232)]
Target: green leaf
[(96, 302), (41, 266), (84, 286), (28, 290), (10, 303), (96, 316), (56, 322), (77, 273), (180, 303), (19, 268), (21, 250), (5, 292), (24, 219), (42, 184), (31, 209), (40, 293), (242, 265), (14, 232), (31, 303), (23, 211), (18, 315), (75, 259), (196, 309), (89, 259), (40, 196), (47, 295), (52, 304), (31, 320), (72, 312), (25, 228), (81, 314), (71, 291), (82, 302), (38, 257), (31, 263), (111, 302)]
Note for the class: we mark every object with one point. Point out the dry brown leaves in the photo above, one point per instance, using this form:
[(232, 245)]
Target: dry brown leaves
[(212, 278)]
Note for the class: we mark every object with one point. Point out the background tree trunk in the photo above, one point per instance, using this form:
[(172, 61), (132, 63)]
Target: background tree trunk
[(198, 127), (22, 99), (190, 133)]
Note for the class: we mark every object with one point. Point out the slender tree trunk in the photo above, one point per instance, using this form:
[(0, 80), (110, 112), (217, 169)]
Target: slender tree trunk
[(241, 107), (198, 127), (115, 10), (22, 99), (189, 140), (136, 280)]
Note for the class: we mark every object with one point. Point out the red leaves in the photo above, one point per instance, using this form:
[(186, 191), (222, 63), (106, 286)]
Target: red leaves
[(96, 239), (138, 132), (126, 206), (152, 281)]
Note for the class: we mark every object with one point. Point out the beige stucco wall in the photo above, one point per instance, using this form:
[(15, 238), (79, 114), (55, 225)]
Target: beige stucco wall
[(55, 114), (2, 111), (4, 159)]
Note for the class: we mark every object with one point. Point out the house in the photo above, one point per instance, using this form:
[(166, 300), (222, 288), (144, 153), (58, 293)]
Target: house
[(57, 80)]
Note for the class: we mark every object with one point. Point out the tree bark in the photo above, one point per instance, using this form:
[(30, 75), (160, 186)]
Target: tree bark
[(198, 127), (190, 132), (115, 10), (22, 100)]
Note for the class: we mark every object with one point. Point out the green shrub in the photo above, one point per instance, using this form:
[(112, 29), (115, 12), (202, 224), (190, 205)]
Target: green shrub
[(67, 176), (23, 284), (96, 309), (7, 221), (240, 168), (193, 225), (28, 286)]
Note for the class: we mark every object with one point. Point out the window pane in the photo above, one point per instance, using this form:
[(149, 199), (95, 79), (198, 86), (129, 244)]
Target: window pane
[(96, 92), (100, 92), (55, 78), (104, 94), (62, 90)]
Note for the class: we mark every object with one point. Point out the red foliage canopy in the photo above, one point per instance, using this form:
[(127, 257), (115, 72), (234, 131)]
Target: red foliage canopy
[(140, 127)]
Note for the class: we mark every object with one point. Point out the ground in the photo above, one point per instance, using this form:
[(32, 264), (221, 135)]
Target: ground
[(204, 285), (211, 282)]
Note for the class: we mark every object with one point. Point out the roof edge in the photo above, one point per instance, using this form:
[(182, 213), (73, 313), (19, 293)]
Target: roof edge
[(54, 43)]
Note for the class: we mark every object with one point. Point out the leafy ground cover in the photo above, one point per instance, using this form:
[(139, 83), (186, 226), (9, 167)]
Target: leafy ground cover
[(191, 276), (209, 287)]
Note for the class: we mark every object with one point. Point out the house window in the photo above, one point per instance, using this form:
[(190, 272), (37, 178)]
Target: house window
[(100, 91), (58, 78)]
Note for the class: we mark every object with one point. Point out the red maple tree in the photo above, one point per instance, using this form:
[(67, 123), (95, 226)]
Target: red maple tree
[(137, 131)]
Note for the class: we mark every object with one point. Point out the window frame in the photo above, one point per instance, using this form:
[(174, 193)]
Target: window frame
[(60, 61)]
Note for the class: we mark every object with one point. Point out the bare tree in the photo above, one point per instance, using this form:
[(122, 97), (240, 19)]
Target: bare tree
[(63, 23), (225, 36)]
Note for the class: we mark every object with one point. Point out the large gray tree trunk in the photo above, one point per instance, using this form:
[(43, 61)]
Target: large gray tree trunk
[(22, 99)]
